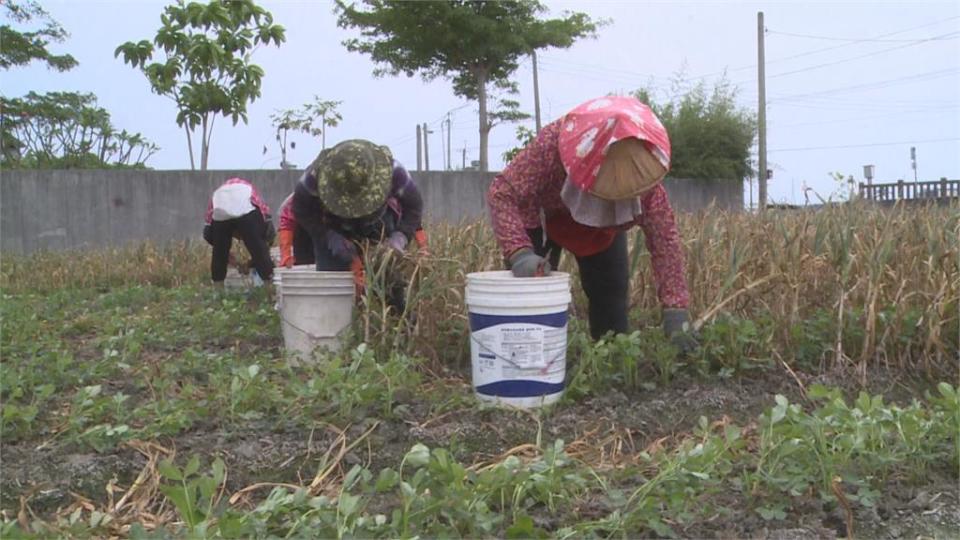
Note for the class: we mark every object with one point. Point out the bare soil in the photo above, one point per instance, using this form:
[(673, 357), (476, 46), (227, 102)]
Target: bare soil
[(50, 476)]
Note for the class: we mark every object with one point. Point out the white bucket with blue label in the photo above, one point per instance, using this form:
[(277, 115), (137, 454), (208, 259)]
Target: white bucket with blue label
[(518, 337)]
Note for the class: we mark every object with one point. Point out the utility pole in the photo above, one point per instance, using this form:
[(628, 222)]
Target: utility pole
[(536, 89), (464, 166), (761, 116), (419, 149), (449, 160), (426, 146), (443, 151), (913, 163)]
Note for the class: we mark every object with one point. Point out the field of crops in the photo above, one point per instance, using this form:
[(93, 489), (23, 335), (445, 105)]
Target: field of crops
[(139, 402)]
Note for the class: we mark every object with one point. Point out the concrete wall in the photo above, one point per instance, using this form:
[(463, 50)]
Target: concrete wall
[(65, 209)]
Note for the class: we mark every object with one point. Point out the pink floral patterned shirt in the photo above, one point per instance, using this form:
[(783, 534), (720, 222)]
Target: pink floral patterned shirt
[(533, 180)]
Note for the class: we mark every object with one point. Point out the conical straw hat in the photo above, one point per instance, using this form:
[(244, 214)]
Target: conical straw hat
[(628, 170), (594, 131)]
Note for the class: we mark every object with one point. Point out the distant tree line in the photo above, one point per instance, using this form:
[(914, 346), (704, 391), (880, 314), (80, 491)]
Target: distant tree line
[(200, 58), (56, 130)]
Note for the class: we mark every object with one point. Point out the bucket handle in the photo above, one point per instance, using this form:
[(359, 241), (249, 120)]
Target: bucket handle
[(309, 334), (511, 362)]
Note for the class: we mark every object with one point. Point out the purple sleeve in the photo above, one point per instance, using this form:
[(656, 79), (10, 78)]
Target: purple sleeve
[(411, 203)]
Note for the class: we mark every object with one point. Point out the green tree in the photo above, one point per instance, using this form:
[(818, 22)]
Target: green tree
[(525, 136), (312, 118), (710, 134), (67, 130), (21, 47), (56, 129), (206, 68), (474, 43)]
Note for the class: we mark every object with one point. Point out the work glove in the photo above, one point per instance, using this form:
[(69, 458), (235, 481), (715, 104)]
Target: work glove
[(676, 326), (421, 237), (397, 241), (286, 248), (359, 278), (526, 263), (341, 248)]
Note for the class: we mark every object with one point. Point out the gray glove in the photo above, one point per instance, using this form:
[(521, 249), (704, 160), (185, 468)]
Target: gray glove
[(526, 263), (397, 241), (341, 248), (676, 325)]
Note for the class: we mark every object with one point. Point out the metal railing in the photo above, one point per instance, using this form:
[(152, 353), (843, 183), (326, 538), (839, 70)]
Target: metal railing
[(942, 189)]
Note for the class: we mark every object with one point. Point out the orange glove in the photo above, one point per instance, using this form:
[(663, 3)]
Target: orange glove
[(421, 237), (286, 248), (356, 266)]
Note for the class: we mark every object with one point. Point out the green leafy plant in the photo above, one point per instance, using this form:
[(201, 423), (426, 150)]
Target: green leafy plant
[(194, 495)]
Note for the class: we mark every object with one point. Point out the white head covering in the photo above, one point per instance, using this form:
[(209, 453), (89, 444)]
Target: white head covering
[(593, 211), (232, 201)]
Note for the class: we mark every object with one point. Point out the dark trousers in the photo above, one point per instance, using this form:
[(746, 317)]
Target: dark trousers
[(302, 247), (253, 231), (605, 280)]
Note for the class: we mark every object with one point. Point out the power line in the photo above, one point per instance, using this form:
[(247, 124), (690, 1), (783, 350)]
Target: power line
[(672, 92), (918, 77), (595, 72), (580, 65), (832, 47), (403, 140), (863, 145), (876, 101), (855, 40), (865, 108), (673, 84), (597, 75), (881, 51), (854, 119)]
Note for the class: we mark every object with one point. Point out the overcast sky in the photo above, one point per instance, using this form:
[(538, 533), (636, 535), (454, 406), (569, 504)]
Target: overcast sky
[(848, 83)]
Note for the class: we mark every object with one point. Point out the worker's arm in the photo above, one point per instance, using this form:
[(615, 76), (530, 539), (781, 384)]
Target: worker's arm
[(515, 194)]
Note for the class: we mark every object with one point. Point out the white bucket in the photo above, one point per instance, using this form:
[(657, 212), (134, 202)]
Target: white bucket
[(235, 280), (518, 337), (315, 308), (278, 273)]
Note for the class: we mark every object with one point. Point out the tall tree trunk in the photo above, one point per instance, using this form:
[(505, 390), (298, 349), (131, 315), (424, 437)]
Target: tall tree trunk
[(193, 165), (323, 133), (204, 145), (484, 124)]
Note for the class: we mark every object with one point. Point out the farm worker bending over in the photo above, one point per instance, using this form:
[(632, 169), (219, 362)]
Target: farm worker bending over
[(236, 209), (296, 247), (352, 193), (595, 173)]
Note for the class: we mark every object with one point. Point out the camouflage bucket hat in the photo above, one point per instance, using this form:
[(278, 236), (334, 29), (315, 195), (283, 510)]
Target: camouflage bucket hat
[(354, 177)]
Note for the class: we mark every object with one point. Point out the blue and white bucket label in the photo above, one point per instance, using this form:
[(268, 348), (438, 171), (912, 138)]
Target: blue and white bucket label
[(518, 356)]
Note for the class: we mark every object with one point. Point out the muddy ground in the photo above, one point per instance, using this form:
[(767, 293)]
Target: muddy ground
[(51, 476)]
